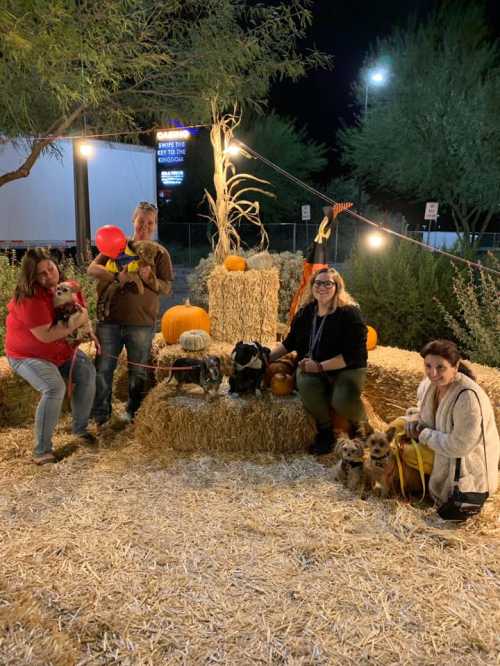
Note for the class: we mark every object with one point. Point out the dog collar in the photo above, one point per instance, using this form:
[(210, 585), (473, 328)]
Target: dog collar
[(254, 364), (353, 463), (380, 460)]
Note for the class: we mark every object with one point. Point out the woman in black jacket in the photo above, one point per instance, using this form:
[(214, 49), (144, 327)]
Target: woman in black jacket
[(329, 335)]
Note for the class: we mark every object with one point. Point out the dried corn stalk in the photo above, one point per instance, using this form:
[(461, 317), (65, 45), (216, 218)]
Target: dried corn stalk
[(231, 203)]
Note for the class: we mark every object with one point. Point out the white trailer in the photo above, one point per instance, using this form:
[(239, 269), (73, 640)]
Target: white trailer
[(40, 210)]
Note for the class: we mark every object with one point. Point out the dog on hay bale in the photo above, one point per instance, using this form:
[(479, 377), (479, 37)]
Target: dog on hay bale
[(250, 360), (66, 304), (206, 372)]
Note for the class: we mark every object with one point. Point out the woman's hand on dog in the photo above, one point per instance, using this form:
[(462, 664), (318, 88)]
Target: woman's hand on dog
[(413, 429), (309, 366), (78, 319)]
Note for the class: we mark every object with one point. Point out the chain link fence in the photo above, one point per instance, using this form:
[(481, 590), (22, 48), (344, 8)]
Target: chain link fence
[(191, 241)]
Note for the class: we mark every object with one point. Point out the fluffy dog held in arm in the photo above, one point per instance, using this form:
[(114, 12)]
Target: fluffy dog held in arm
[(66, 305), (250, 360)]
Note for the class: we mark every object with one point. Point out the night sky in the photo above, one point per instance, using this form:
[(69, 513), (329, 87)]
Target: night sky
[(346, 30)]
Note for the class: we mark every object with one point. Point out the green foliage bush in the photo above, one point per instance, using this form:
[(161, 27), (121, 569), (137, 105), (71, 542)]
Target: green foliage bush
[(289, 265), (476, 325), (9, 268), (396, 288), (8, 279)]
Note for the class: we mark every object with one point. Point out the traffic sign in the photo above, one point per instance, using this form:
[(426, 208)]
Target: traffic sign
[(431, 210), (306, 213)]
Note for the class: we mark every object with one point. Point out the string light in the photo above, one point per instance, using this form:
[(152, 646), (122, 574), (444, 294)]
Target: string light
[(233, 149), (362, 218), (253, 153), (85, 150), (375, 240)]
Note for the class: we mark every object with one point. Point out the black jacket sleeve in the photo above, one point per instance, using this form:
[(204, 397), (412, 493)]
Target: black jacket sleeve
[(354, 334)]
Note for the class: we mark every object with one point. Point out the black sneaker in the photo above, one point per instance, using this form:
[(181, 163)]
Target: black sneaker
[(323, 442), (87, 438)]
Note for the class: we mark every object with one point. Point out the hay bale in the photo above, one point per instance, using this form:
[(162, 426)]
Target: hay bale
[(189, 421), (394, 375), (18, 400), (243, 305)]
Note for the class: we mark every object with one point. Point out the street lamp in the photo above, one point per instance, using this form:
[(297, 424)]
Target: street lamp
[(377, 77)]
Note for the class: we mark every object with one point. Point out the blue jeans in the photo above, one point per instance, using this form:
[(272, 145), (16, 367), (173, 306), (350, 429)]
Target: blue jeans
[(137, 341), (48, 379)]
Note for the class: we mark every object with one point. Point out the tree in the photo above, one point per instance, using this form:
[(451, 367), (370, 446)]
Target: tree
[(290, 148), (396, 289), (432, 132), (122, 65)]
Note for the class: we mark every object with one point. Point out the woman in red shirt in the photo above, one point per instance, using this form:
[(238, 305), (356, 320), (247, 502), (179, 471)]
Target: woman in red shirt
[(37, 350)]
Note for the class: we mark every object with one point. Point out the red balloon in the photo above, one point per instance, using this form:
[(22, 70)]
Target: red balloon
[(110, 240)]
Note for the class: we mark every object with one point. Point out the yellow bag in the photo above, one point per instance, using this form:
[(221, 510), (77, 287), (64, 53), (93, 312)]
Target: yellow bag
[(415, 455), (412, 453)]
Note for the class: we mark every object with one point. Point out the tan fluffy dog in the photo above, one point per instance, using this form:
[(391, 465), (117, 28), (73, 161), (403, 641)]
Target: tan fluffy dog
[(349, 470), (380, 466), (382, 473)]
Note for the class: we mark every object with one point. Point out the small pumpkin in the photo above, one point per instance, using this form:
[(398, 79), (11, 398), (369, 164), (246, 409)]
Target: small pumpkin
[(194, 340), (235, 263), (282, 384), (278, 367), (371, 338), (180, 318), (261, 261)]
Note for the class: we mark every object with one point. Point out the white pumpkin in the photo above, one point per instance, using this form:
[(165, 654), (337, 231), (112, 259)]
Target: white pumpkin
[(260, 262), (194, 340)]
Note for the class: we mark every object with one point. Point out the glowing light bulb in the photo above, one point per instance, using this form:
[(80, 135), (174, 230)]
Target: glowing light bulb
[(233, 149), (375, 240), (85, 149)]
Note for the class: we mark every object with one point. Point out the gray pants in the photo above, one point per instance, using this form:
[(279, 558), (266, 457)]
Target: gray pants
[(342, 391), (48, 379)]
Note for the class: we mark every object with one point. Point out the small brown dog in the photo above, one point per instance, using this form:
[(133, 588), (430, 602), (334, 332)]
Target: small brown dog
[(349, 470), (146, 252), (380, 468)]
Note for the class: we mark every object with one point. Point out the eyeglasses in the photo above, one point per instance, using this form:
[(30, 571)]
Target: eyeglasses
[(145, 205), (326, 284)]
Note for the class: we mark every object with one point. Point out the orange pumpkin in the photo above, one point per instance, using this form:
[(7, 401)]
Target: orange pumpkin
[(283, 366), (282, 384), (181, 318), (371, 338), (235, 263)]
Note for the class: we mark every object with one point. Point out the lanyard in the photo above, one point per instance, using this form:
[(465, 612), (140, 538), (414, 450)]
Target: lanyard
[(315, 336)]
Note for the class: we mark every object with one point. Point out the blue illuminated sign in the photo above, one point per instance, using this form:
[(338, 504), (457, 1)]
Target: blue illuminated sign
[(171, 150)]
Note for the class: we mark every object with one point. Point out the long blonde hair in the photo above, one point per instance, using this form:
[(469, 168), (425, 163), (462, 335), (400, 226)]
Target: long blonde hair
[(342, 296)]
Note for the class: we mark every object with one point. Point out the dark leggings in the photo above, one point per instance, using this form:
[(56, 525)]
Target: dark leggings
[(341, 391)]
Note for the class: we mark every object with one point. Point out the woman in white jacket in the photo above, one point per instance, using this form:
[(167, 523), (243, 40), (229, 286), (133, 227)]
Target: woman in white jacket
[(455, 419)]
